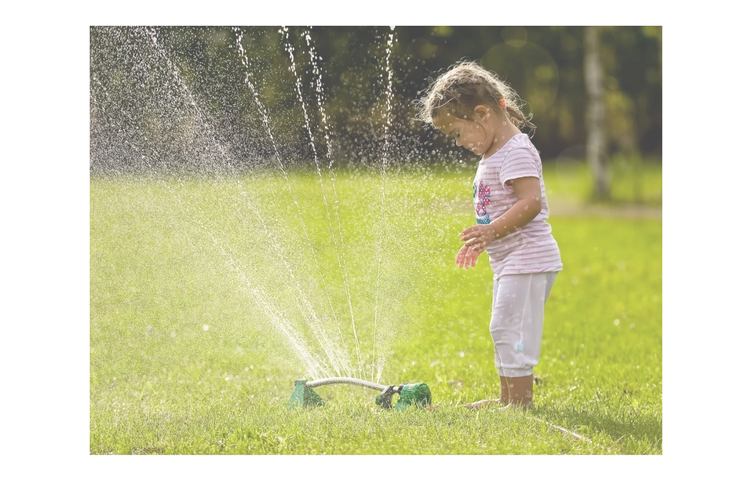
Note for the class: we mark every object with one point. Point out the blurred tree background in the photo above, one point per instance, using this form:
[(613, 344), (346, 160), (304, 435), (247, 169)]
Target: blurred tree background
[(162, 89)]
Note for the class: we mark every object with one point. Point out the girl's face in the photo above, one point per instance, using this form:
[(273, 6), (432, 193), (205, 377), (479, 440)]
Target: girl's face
[(472, 135)]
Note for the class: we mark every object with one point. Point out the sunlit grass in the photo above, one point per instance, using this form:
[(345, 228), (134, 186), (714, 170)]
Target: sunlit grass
[(183, 361)]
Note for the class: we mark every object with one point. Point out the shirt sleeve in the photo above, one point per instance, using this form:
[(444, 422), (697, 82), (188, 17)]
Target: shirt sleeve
[(520, 162)]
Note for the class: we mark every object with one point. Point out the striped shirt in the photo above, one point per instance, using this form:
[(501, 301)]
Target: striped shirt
[(533, 248)]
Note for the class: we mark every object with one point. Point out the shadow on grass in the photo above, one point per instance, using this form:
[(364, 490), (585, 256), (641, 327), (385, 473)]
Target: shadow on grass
[(642, 428)]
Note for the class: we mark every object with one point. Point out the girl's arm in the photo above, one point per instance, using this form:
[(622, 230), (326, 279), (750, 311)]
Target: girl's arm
[(528, 205)]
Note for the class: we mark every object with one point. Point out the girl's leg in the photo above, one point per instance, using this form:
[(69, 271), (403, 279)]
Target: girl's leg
[(517, 391), (517, 328)]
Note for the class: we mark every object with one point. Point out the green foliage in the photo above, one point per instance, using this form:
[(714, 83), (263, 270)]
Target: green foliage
[(543, 64), (182, 361), (634, 181)]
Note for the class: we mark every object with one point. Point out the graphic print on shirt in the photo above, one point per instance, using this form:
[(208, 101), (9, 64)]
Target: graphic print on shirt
[(481, 199)]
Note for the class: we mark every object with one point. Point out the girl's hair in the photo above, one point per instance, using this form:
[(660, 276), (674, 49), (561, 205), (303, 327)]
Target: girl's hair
[(466, 85)]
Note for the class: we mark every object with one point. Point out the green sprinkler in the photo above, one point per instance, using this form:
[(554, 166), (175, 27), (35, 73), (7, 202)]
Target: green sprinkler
[(409, 394)]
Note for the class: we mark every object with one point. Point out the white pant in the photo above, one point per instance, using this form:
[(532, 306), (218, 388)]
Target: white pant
[(517, 321)]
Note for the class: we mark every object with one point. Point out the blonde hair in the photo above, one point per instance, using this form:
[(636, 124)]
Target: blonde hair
[(464, 86)]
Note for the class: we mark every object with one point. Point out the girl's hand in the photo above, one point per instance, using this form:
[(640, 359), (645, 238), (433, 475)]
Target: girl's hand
[(467, 256), (478, 237)]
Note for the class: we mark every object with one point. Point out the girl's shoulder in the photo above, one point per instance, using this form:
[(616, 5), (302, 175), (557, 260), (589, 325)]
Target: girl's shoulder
[(519, 140), (518, 143)]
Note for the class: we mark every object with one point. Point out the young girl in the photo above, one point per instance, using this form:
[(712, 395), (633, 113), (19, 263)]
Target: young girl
[(483, 114)]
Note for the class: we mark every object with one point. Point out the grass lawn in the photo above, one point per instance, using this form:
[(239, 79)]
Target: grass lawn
[(210, 297)]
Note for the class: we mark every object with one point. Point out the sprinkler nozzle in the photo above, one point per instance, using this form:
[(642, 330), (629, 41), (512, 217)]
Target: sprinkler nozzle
[(413, 394), (304, 396)]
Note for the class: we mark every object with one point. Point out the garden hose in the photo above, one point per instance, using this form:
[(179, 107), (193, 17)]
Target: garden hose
[(410, 394)]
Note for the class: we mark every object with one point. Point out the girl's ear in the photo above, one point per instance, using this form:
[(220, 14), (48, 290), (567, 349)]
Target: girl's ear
[(481, 111)]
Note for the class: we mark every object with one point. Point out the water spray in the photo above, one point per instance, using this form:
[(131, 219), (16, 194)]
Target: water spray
[(418, 395)]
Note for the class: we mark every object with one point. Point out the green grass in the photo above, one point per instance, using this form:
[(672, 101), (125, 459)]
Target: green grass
[(169, 259)]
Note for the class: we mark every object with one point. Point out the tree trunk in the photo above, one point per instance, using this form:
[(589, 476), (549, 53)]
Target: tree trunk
[(89, 116), (595, 120)]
